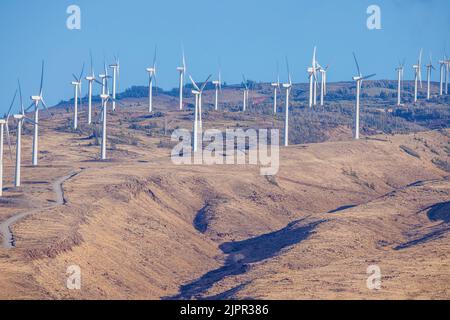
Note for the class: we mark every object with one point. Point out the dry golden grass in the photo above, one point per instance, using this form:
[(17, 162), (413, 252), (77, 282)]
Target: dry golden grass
[(129, 222)]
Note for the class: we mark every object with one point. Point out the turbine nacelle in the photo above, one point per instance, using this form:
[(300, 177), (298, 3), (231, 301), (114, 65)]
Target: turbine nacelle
[(90, 78), (151, 70), (36, 98), (76, 83), (357, 78), (181, 69), (2, 121), (104, 96), (216, 82), (275, 84), (18, 116), (196, 92), (287, 85)]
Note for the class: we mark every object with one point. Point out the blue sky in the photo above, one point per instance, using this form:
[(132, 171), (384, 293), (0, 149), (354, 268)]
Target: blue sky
[(247, 36)]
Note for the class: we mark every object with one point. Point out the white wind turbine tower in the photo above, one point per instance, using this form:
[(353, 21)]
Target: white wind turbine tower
[(276, 86), (37, 100), (400, 72), (288, 87), (359, 79), (77, 95), (3, 125), (20, 120), (246, 91), (151, 76), (198, 110), (447, 67), (442, 70), (323, 83), (90, 78), (418, 75), (182, 71), (430, 67), (218, 87), (312, 72), (116, 76)]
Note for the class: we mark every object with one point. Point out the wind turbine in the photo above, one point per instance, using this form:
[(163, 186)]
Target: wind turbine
[(288, 87), (77, 88), (359, 79), (116, 76), (20, 120), (400, 72), (312, 71), (37, 100), (151, 75), (246, 91), (447, 64), (182, 71), (105, 96), (418, 75), (90, 79), (104, 77), (218, 87), (276, 86), (3, 125), (323, 83), (198, 109), (430, 67)]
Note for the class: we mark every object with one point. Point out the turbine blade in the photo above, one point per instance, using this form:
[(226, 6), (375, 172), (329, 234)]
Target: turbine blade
[(245, 82), (100, 117), (357, 64), (81, 74), (31, 105), (313, 64), (79, 96), (205, 83), (92, 64), (278, 74), (154, 59), (193, 83), (22, 111), (8, 139), (369, 76), (288, 70), (30, 121), (10, 107), (42, 79), (184, 60), (45, 107)]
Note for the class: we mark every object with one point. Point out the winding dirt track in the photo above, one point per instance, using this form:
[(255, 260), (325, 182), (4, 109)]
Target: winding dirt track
[(5, 226)]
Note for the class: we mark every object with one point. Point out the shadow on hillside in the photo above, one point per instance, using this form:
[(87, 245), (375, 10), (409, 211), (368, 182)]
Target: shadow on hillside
[(342, 208), (243, 253), (437, 212)]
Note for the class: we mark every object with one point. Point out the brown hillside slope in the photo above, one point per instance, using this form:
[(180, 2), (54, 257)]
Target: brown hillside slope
[(141, 227)]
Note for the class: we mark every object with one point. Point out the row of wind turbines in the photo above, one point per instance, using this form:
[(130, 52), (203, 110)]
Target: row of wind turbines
[(313, 71)]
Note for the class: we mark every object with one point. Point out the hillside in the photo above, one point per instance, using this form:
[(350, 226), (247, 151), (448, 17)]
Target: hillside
[(141, 227)]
